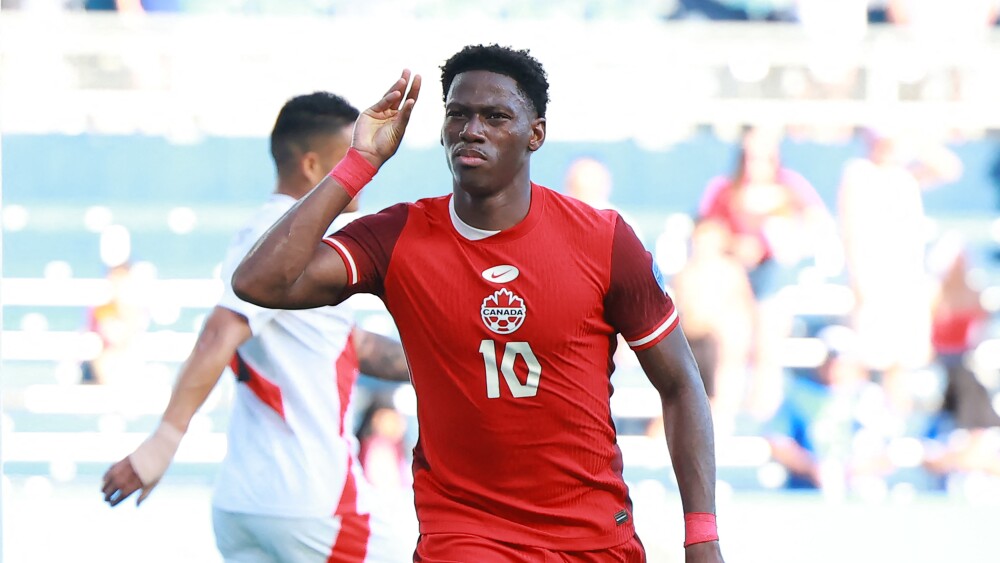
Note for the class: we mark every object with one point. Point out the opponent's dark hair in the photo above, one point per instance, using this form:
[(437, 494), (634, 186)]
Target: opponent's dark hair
[(303, 119), (517, 64)]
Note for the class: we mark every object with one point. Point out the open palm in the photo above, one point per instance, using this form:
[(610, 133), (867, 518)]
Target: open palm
[(379, 129)]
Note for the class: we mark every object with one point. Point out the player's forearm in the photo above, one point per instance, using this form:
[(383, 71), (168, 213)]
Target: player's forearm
[(687, 424), (197, 378), (223, 333), (380, 357), (270, 271)]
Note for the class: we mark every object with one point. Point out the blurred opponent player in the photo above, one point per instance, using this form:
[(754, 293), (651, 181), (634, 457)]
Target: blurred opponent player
[(508, 297), (291, 488)]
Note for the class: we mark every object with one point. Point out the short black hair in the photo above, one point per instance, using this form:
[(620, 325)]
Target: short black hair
[(304, 118), (517, 64)]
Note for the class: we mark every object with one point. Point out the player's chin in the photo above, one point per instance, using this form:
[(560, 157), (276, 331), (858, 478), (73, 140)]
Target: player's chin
[(476, 180)]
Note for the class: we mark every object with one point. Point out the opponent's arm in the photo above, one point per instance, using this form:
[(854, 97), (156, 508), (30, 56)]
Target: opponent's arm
[(223, 333), (687, 423), (380, 357), (289, 267)]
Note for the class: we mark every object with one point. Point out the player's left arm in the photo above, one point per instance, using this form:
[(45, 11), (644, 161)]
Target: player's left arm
[(638, 308), (687, 423), (380, 356)]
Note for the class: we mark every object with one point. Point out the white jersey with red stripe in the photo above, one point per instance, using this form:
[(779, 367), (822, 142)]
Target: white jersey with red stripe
[(290, 452)]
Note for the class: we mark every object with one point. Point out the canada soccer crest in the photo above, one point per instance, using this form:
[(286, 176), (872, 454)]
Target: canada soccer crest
[(503, 312)]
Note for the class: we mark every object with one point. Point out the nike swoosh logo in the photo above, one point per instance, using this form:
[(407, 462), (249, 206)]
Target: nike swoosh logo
[(501, 274)]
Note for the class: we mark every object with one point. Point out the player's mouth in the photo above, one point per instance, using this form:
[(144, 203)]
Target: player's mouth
[(469, 157)]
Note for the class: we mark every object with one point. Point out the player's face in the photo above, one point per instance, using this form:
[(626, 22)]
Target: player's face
[(490, 129)]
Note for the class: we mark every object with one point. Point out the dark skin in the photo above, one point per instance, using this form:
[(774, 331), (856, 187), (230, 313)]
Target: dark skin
[(489, 134)]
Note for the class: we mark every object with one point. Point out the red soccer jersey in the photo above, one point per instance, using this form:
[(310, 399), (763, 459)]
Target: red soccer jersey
[(510, 341)]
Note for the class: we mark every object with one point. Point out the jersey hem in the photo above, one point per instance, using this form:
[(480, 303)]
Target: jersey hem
[(546, 541)]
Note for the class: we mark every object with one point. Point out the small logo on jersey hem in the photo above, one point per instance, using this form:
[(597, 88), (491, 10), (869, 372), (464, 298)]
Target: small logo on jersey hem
[(621, 517), (501, 274), (503, 312)]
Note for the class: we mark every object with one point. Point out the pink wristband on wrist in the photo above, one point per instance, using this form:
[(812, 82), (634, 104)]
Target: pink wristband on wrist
[(699, 527), (353, 172)]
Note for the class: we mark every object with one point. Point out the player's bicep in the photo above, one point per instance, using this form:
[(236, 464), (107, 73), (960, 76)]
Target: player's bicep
[(322, 281), (669, 364)]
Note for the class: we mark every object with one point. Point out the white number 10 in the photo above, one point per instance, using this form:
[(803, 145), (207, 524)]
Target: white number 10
[(511, 351)]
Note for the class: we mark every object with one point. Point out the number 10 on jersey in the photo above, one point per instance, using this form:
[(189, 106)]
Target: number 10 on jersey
[(511, 351)]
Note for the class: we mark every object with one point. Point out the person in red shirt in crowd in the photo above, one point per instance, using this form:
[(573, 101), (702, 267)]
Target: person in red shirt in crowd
[(508, 297), (776, 221)]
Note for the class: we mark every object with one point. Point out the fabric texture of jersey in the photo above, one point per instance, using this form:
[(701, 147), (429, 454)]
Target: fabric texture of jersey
[(288, 451), (510, 341)]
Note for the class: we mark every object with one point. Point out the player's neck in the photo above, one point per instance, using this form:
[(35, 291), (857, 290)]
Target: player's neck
[(292, 188), (494, 211)]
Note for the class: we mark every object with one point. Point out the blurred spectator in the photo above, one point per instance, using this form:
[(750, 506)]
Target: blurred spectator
[(883, 228), (117, 322), (777, 221), (965, 433), (382, 446), (831, 428), (717, 310), (589, 180), (775, 214)]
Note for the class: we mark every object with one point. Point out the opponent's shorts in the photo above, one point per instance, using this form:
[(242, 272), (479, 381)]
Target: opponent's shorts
[(463, 548), (352, 538)]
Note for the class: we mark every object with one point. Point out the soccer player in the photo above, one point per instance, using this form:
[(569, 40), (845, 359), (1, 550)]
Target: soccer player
[(290, 488), (508, 297)]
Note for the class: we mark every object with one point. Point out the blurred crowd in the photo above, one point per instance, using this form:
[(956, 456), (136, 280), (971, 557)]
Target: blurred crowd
[(891, 381)]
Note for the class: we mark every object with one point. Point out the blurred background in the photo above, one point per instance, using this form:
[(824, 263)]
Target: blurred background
[(818, 181)]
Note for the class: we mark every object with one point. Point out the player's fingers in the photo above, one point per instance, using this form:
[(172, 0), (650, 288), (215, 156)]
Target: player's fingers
[(112, 495), (400, 84), (118, 497), (413, 92), (111, 482), (414, 87), (387, 102), (142, 496)]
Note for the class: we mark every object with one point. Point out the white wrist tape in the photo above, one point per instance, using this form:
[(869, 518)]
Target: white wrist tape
[(151, 459)]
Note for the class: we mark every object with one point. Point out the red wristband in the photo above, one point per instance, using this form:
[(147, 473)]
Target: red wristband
[(353, 172), (699, 527)]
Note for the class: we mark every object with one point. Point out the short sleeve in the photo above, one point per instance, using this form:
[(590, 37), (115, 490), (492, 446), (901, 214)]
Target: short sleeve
[(366, 245), (241, 243), (636, 304)]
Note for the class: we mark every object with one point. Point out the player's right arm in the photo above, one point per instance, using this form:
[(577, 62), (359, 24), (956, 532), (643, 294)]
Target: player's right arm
[(223, 333), (289, 267)]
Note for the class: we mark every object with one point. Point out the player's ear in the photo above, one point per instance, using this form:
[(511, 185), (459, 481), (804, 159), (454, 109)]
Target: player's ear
[(310, 165), (537, 134)]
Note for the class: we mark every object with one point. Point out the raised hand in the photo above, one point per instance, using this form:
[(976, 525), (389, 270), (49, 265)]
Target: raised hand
[(380, 128)]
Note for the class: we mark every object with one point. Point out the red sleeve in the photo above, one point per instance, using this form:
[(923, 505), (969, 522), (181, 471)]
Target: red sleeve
[(636, 305), (365, 245)]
